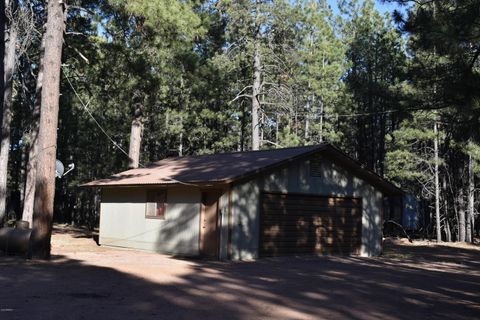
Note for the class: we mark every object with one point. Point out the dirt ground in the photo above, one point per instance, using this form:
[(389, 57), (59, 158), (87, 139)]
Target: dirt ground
[(84, 281)]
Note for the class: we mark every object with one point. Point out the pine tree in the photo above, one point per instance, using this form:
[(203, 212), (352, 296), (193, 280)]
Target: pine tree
[(375, 80), (45, 182), (321, 66), (260, 39)]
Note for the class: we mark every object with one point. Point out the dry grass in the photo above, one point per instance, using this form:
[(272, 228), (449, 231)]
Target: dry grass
[(400, 249)]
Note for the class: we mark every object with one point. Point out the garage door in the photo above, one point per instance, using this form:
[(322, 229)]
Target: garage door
[(304, 224)]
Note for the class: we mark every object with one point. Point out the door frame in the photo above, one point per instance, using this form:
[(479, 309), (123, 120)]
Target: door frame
[(218, 194)]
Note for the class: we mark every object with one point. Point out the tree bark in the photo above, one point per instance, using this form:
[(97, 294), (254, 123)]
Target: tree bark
[(257, 78), (461, 215), (307, 124), (3, 22), (277, 124), (437, 184), (448, 233), (135, 143), (262, 138), (471, 200), (307, 116), (7, 115), (321, 120), (47, 136), (28, 202), (180, 145), (136, 136), (243, 126)]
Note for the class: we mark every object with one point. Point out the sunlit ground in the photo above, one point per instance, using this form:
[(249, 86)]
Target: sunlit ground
[(84, 281)]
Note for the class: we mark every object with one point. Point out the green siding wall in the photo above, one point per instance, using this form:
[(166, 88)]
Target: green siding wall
[(123, 222)]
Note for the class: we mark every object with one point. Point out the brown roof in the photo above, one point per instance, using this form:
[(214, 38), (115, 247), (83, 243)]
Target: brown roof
[(223, 168)]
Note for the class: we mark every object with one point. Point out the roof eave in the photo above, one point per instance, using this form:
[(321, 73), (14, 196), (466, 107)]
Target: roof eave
[(200, 184)]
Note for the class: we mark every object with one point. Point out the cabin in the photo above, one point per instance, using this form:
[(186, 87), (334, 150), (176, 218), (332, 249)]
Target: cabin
[(247, 205)]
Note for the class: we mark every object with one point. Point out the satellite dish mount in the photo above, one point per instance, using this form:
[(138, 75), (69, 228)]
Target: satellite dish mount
[(60, 168)]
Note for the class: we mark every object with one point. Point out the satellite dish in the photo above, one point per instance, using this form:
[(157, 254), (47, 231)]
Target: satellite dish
[(59, 168)]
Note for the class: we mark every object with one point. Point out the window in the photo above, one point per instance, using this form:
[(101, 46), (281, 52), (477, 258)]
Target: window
[(156, 204)]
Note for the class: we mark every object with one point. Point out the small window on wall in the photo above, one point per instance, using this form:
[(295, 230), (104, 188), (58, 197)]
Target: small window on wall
[(156, 204)]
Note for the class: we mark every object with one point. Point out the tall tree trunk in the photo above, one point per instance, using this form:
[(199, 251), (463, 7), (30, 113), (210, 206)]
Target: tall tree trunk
[(321, 118), (262, 137), (448, 233), (47, 136), (257, 78), (243, 126), (27, 214), (381, 146), (435, 130), (277, 124), (180, 145), (22, 175), (7, 115), (136, 136), (471, 200), (307, 120), (461, 215), (437, 184), (3, 28)]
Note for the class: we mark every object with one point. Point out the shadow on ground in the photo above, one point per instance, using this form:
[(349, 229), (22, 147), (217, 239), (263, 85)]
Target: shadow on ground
[(434, 283)]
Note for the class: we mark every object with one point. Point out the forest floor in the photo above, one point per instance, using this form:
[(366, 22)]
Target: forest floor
[(419, 280)]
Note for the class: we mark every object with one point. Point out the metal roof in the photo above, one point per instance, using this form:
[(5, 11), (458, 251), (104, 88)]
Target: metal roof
[(227, 167)]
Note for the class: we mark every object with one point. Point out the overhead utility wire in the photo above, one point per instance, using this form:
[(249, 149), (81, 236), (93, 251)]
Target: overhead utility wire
[(85, 107), (352, 115)]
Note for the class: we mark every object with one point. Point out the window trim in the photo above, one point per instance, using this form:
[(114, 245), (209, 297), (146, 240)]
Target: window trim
[(156, 192)]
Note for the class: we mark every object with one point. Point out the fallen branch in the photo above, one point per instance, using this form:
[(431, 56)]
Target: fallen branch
[(403, 229)]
